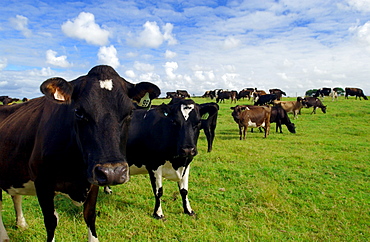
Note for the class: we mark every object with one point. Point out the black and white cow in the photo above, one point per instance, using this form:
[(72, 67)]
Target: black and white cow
[(266, 99), (313, 102), (162, 142), (69, 141)]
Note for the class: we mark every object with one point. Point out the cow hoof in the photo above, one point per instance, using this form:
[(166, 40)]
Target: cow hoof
[(159, 217), (191, 213)]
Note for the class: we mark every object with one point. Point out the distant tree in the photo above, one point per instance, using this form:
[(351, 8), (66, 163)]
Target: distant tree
[(310, 93)]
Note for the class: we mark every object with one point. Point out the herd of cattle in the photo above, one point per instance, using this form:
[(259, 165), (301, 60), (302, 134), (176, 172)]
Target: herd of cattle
[(97, 130)]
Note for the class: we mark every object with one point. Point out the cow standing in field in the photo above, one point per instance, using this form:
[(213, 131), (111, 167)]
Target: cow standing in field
[(266, 99), (182, 93), (244, 94), (322, 92), (279, 93), (248, 116), (291, 106), (162, 143), (280, 116), (209, 122), (70, 141), (222, 95), (354, 92), (313, 102)]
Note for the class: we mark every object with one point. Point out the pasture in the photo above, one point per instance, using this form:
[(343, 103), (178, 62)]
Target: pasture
[(310, 186)]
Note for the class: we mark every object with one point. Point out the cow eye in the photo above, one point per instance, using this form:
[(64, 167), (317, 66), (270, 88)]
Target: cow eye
[(80, 115)]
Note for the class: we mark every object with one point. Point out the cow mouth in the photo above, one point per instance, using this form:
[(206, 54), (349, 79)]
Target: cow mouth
[(110, 174)]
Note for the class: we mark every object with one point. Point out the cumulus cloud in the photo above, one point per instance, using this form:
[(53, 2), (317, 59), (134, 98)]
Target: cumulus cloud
[(130, 74), (21, 23), (60, 61), (108, 56), (231, 42), (362, 32), (143, 66), (170, 67), (152, 36), (360, 5), (84, 27)]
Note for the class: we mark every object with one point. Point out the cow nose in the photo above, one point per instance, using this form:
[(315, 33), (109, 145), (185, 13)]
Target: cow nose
[(111, 174), (189, 151)]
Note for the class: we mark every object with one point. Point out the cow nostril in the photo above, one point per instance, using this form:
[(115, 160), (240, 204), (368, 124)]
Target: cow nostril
[(101, 175)]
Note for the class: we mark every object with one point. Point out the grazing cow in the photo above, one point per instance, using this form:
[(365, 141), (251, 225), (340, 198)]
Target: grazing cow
[(253, 117), (182, 93), (171, 95), (278, 93), (313, 102), (334, 95), (265, 99), (291, 106), (209, 122), (280, 116), (322, 92), (355, 92), (175, 129), (70, 141), (244, 94), (222, 95)]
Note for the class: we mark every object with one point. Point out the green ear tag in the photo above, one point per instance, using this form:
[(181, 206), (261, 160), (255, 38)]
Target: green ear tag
[(145, 101)]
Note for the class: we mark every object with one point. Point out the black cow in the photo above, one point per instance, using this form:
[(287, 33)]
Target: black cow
[(69, 141), (222, 95), (209, 122), (355, 92), (171, 95), (266, 99), (244, 94), (182, 93), (322, 92), (6, 100), (280, 116), (278, 93), (313, 102), (175, 129)]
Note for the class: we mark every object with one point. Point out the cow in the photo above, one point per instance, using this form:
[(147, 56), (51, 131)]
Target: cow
[(253, 117), (334, 95), (266, 99), (171, 95), (313, 102), (257, 93), (222, 95), (209, 122), (291, 106), (322, 92), (8, 100), (244, 94), (350, 91), (175, 129), (280, 116), (182, 93), (278, 93), (71, 141)]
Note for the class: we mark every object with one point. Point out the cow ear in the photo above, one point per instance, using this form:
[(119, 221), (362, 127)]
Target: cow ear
[(57, 89), (143, 93), (207, 110)]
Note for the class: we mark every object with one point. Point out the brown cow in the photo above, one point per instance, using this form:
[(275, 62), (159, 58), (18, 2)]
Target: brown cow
[(253, 117), (291, 106)]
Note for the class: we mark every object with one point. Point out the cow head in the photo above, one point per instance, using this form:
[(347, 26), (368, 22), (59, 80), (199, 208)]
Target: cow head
[(98, 108)]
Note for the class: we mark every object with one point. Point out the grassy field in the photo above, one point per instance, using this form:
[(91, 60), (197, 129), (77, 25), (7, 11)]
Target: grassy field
[(310, 186)]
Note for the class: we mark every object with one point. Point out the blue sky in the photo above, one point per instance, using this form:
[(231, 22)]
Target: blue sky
[(194, 45)]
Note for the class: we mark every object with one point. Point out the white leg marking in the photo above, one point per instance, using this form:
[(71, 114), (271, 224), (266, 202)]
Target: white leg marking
[(183, 184), (3, 234), (158, 184), (17, 202), (92, 238)]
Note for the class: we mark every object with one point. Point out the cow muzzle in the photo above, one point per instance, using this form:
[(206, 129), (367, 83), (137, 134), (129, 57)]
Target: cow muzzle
[(110, 174), (191, 151)]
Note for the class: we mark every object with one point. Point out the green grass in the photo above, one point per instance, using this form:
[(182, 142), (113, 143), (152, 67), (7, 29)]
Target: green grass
[(310, 186)]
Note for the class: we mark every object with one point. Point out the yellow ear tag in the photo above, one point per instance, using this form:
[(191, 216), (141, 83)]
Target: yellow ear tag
[(145, 101)]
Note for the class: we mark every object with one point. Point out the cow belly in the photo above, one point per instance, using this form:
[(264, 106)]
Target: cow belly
[(255, 125), (134, 170), (27, 189)]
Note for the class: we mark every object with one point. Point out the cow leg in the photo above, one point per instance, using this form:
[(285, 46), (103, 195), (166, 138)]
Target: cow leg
[(45, 196), (240, 132), (208, 134), (3, 234), (90, 213), (183, 188), (17, 202), (156, 181)]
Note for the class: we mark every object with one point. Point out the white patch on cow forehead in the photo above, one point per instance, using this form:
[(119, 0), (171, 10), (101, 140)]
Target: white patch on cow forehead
[(106, 84), (186, 109)]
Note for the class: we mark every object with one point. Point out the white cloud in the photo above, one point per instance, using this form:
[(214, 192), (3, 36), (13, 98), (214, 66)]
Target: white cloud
[(44, 72), (21, 23), (170, 67), (152, 36), (60, 61), (3, 63), (130, 74), (231, 42), (362, 32), (170, 54), (108, 56), (143, 66), (360, 5), (84, 27)]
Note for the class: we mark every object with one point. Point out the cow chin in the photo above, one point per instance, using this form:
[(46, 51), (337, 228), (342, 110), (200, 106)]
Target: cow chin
[(110, 174)]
